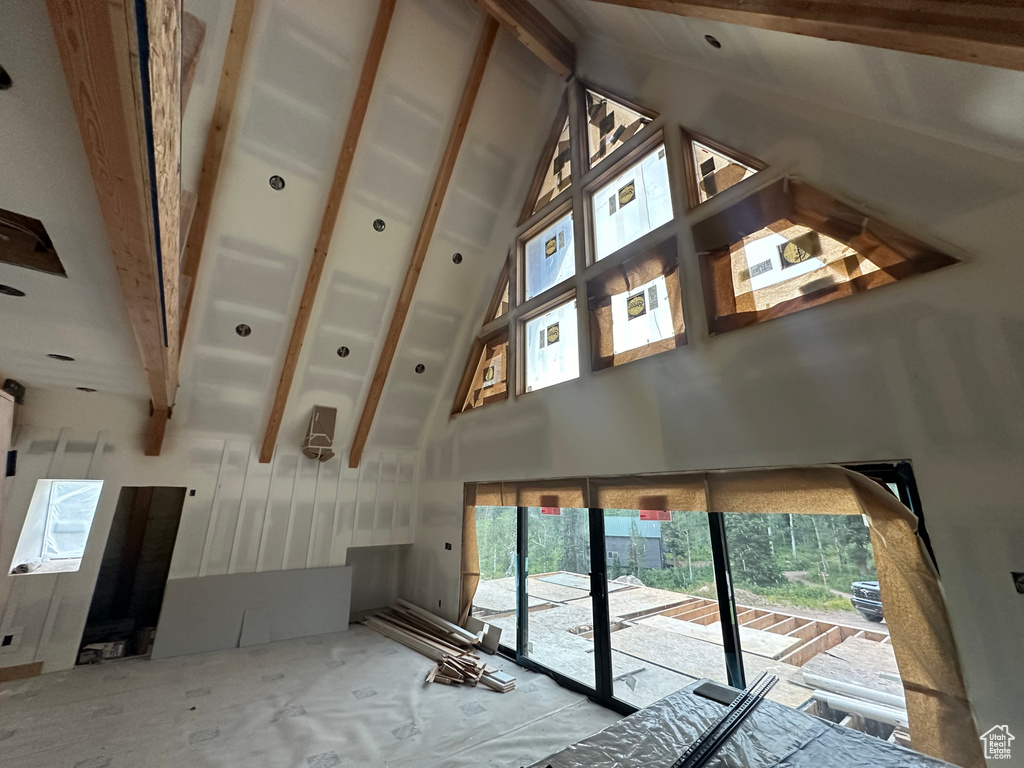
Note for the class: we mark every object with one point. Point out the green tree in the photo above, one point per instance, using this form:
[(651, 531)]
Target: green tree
[(575, 541), (751, 552), (637, 548)]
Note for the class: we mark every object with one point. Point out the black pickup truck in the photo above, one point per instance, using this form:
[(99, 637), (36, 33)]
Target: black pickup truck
[(867, 599)]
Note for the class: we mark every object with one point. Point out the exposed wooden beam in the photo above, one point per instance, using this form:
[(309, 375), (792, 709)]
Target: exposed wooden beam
[(371, 63), (419, 251), (158, 419), (534, 31), (216, 139), (124, 84), (980, 31)]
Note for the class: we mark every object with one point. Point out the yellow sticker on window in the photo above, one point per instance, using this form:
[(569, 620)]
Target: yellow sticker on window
[(627, 193), (800, 249), (552, 333), (550, 247), (636, 305)]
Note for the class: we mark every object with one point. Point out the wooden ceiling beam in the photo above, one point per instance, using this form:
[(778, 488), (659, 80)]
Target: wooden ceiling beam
[(534, 31), (371, 63), (987, 32), (216, 141), (419, 252), (124, 81)]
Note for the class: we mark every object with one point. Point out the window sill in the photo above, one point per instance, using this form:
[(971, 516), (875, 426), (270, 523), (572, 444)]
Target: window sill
[(54, 566)]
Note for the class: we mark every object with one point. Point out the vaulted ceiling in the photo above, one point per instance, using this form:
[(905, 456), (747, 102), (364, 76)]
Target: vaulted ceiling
[(296, 88)]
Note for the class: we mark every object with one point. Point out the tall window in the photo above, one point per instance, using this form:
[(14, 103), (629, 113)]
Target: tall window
[(57, 526)]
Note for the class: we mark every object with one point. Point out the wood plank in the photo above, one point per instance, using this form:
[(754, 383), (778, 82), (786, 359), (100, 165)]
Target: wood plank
[(981, 32), (419, 253), (437, 621), (216, 139), (157, 429), (813, 647), (371, 63), (21, 672), (532, 29), (100, 55)]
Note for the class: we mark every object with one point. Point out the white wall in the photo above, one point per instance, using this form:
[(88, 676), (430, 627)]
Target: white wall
[(244, 516), (930, 369)]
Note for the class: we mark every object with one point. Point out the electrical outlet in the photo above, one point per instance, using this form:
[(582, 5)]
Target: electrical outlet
[(192, 492), (6, 640), (447, 545)]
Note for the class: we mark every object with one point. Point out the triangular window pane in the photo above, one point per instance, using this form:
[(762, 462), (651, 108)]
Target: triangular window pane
[(500, 298), (557, 171), (609, 125), (714, 168), (486, 378)]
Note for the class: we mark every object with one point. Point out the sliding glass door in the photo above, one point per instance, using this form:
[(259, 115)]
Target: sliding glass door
[(629, 606)]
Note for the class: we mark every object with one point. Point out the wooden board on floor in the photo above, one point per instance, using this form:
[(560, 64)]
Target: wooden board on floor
[(754, 641)]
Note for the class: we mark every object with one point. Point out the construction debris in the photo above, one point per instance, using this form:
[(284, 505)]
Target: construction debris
[(447, 644)]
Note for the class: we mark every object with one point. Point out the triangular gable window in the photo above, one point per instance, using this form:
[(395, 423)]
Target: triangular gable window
[(554, 174), (712, 167), (500, 298), (610, 124)]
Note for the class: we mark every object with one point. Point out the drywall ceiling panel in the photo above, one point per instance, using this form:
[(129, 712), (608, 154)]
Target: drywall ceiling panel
[(512, 117), (971, 104), (427, 56), (46, 176), (295, 93)]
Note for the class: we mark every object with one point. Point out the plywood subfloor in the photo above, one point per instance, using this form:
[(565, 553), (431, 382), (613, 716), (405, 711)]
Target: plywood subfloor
[(755, 641), (352, 698)]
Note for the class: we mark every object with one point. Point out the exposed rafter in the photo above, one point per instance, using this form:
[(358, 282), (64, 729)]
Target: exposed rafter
[(419, 253), (216, 139), (981, 31), (371, 63), (534, 31), (124, 83)]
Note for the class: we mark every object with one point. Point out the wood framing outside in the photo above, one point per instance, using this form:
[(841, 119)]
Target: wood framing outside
[(530, 206), (368, 76), (498, 297), (533, 30), (419, 253), (121, 98), (979, 31), (690, 166), (216, 140)]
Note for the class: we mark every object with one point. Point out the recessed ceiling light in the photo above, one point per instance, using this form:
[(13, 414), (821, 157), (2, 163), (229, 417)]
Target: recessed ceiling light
[(85, 389), (379, 225), (343, 351), (5, 80), (276, 183), (63, 358), (457, 258), (243, 330), (713, 42), (421, 368), (8, 290)]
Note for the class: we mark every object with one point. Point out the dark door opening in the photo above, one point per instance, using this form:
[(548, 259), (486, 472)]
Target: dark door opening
[(129, 589)]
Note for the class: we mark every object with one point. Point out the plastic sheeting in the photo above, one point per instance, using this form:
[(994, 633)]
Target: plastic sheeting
[(773, 736), (352, 698), (71, 508)]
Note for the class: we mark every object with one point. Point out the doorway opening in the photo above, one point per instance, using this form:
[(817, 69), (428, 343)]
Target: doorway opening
[(130, 586)]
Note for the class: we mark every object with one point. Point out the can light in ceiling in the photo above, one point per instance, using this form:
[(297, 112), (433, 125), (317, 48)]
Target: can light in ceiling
[(457, 258), (85, 389), (378, 224), (243, 330), (343, 351), (276, 183), (421, 368), (712, 41), (62, 358), (5, 80), (8, 290)]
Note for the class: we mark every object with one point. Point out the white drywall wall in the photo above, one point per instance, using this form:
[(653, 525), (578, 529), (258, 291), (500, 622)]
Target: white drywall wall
[(294, 513), (929, 369)]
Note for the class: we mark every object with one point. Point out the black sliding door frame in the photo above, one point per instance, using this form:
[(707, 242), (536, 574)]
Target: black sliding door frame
[(899, 474)]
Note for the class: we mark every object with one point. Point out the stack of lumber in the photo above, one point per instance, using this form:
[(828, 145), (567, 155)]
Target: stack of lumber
[(447, 644)]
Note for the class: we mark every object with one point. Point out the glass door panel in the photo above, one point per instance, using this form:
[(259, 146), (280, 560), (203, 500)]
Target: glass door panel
[(560, 613), (663, 603), (495, 598)]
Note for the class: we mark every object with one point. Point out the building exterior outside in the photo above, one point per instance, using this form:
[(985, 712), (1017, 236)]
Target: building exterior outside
[(617, 532)]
